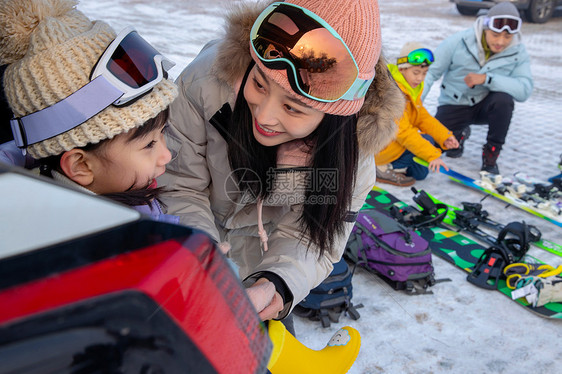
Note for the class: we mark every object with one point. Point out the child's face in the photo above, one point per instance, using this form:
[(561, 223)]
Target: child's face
[(414, 75), (498, 41), (277, 117), (130, 164)]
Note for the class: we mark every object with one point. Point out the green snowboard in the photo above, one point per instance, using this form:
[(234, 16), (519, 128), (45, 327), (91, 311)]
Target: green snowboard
[(542, 243), (454, 247)]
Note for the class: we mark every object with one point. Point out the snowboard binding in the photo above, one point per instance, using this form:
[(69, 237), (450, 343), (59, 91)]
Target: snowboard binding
[(511, 245), (489, 268)]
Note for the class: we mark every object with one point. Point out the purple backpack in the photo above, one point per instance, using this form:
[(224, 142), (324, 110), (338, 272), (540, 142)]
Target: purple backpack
[(398, 255)]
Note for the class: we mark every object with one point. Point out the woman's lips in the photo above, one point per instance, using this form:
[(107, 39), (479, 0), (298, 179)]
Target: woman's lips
[(265, 132)]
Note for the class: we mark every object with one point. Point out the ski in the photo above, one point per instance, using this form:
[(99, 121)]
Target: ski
[(533, 206), (456, 248), (555, 178)]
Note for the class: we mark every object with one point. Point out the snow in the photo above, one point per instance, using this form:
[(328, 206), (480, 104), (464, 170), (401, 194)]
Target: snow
[(459, 328)]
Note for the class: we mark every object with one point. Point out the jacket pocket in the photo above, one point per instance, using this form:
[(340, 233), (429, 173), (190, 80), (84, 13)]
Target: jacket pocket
[(452, 94)]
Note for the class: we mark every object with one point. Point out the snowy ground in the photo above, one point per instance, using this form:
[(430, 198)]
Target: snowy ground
[(460, 328)]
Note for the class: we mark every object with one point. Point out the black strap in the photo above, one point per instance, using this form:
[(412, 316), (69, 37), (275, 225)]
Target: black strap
[(466, 220), (221, 120), (489, 268), (351, 216), (516, 236), (434, 213)]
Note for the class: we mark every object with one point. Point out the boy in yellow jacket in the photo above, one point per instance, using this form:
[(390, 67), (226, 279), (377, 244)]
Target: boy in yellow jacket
[(418, 130)]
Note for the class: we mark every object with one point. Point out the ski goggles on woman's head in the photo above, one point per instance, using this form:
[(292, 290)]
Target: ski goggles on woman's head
[(128, 69), (422, 56), (499, 23), (319, 64), (132, 65)]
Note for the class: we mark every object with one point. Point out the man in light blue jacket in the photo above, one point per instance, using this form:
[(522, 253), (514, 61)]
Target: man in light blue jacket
[(484, 70)]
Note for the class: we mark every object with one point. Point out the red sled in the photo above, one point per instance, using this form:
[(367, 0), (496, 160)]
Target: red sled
[(138, 297)]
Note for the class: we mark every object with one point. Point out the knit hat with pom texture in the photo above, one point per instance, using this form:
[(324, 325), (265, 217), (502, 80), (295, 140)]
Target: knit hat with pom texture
[(357, 22), (51, 49)]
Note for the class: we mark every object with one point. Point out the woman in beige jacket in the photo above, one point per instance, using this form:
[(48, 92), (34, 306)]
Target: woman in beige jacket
[(269, 167)]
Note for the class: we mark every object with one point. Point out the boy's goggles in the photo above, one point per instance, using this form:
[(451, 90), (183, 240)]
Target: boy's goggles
[(319, 64), (499, 23), (422, 56), (128, 69)]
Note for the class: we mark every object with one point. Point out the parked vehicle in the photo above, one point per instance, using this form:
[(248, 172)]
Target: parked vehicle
[(536, 11)]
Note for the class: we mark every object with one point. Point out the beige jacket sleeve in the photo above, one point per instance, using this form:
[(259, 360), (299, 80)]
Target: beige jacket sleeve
[(187, 178)]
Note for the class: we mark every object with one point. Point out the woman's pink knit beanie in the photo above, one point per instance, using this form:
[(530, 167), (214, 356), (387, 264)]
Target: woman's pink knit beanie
[(358, 23)]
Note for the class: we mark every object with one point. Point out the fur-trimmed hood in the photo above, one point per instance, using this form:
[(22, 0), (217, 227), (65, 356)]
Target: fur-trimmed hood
[(384, 102)]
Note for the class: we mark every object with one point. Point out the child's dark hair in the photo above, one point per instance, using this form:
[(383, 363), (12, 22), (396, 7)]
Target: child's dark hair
[(143, 196), (333, 146)]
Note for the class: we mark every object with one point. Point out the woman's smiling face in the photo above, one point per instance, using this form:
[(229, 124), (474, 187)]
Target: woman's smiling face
[(277, 117)]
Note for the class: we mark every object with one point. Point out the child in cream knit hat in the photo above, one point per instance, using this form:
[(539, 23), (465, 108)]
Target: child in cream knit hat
[(66, 119)]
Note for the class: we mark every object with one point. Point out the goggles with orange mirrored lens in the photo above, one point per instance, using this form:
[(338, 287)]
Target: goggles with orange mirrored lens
[(319, 64)]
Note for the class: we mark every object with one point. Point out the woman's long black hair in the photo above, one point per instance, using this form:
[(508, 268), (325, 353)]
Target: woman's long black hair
[(335, 152), (143, 196)]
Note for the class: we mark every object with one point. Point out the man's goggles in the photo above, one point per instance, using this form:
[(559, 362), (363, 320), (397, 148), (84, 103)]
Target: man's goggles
[(319, 64), (499, 23), (128, 69), (422, 56)]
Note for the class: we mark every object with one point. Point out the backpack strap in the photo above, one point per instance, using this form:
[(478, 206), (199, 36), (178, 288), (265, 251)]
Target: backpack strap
[(391, 228), (361, 248), (354, 245), (386, 223)]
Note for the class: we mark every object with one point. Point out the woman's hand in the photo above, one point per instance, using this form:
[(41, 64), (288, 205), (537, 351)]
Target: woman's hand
[(273, 309), (266, 300)]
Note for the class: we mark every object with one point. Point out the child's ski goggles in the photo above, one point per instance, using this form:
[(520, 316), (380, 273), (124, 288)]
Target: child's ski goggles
[(319, 64), (128, 69), (499, 23), (422, 56), (132, 65)]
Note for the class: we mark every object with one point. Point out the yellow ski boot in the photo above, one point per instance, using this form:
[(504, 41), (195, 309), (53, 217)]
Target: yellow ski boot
[(290, 356)]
